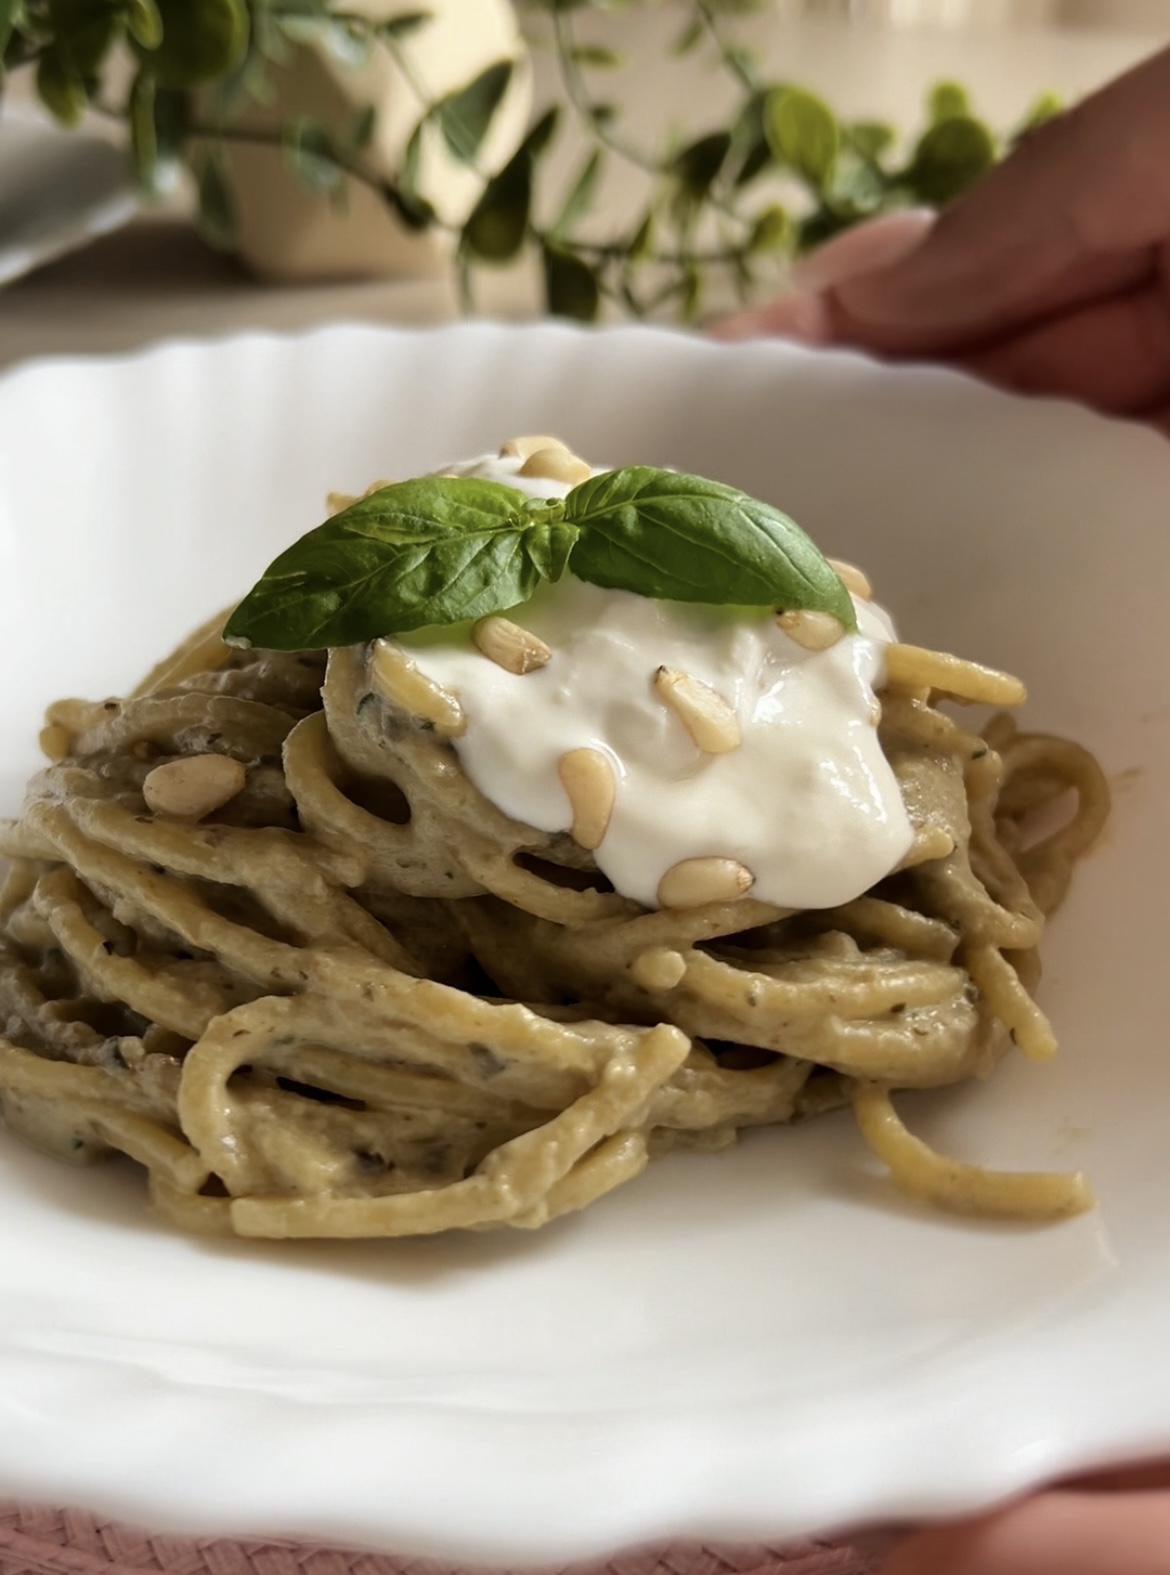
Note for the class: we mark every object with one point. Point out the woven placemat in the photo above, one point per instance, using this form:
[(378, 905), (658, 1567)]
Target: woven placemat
[(38, 1541)]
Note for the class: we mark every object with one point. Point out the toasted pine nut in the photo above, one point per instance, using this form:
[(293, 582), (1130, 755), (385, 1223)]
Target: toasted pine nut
[(587, 777), (400, 681), (336, 501), (522, 447), (193, 786), (692, 882), (874, 711), (556, 464), (815, 631), (55, 741), (658, 969), (515, 649), (854, 579), (910, 666), (706, 715)]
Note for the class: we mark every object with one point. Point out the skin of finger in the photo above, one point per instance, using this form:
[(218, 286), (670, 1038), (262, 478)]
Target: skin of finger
[(1073, 213), (1059, 1533), (1113, 355), (800, 313), (878, 243)]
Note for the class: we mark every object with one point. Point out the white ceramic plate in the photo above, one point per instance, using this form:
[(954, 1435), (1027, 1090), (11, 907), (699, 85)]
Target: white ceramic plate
[(764, 1343), (58, 190)]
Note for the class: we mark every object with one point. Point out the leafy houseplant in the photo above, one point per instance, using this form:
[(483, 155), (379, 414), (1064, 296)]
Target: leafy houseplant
[(726, 208)]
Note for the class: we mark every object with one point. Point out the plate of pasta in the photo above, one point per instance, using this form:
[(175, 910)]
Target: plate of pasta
[(588, 987)]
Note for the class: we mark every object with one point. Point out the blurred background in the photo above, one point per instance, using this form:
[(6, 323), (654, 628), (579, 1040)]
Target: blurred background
[(201, 166)]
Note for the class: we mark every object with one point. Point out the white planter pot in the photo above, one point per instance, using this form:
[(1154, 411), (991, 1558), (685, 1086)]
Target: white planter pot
[(287, 231)]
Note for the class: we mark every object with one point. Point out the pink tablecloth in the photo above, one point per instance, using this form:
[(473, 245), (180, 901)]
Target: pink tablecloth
[(38, 1541)]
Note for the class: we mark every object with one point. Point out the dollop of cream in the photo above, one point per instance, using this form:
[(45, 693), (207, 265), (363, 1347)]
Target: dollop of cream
[(806, 801)]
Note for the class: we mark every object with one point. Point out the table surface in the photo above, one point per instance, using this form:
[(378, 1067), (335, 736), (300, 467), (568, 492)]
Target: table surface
[(156, 279)]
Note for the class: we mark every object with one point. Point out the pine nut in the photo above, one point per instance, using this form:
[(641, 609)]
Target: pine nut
[(522, 447), (515, 649), (399, 680), (55, 741), (854, 579), (192, 787), (556, 464), (335, 502), (658, 969), (707, 717), (692, 882), (815, 631), (587, 777)]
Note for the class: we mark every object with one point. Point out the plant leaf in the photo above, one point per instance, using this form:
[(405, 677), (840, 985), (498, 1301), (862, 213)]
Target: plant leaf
[(465, 115), (217, 209), (498, 224), (61, 86), (698, 164), (143, 141), (401, 26), (364, 126), (684, 538), (580, 198), (869, 138), (689, 38), (803, 134), (946, 100), (771, 232), (144, 23), (595, 56), (201, 41), (571, 287), (8, 10), (950, 156), (433, 551), (312, 153)]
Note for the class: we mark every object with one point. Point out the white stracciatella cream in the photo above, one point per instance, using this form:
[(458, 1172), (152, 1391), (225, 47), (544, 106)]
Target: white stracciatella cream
[(806, 801)]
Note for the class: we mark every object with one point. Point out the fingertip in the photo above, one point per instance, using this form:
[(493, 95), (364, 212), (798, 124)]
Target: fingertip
[(799, 315), (864, 249)]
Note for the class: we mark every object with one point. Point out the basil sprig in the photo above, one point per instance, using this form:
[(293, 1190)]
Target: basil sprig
[(443, 549)]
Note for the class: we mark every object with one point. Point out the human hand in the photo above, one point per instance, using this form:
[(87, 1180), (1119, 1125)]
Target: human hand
[(1109, 1525), (1052, 275)]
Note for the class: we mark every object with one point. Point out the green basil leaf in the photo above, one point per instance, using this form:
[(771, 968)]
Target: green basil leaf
[(683, 538), (433, 551)]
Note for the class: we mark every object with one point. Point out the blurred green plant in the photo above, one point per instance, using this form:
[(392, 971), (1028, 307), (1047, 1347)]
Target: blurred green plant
[(776, 176)]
